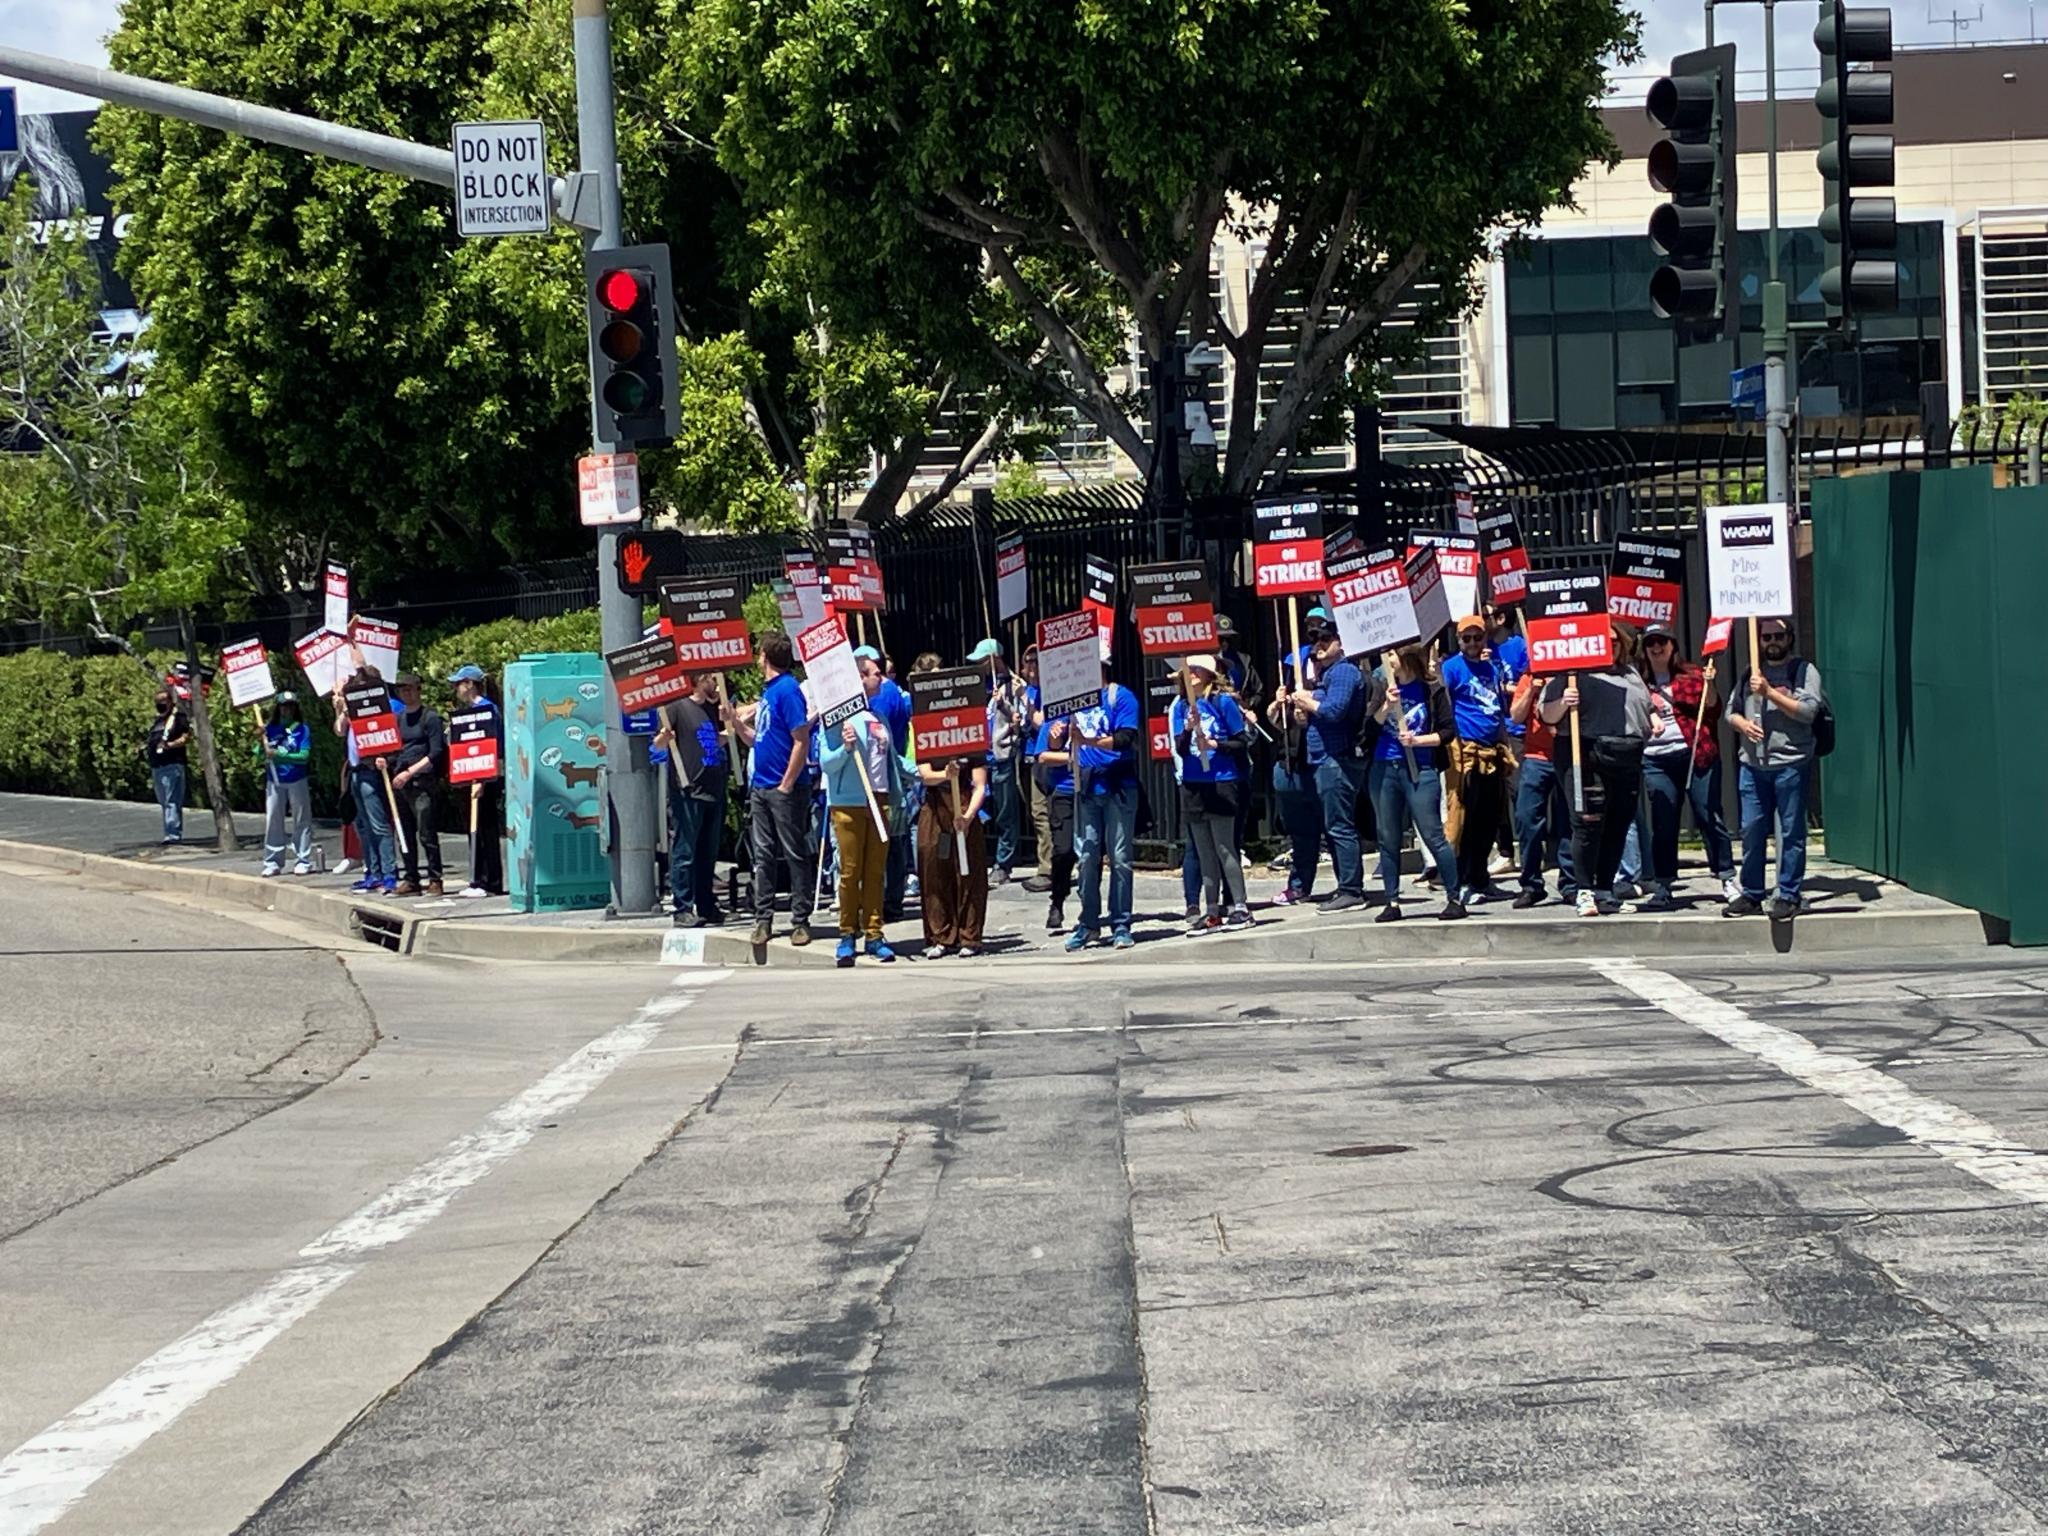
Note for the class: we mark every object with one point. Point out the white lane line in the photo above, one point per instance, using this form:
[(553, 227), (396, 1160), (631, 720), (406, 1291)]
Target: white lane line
[(1978, 1148), (45, 1476)]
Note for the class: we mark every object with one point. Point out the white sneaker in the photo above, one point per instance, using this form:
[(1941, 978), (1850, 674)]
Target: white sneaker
[(272, 870), (1244, 860), (1731, 888), (302, 868), (1589, 905), (472, 893), (343, 867), (1501, 865)]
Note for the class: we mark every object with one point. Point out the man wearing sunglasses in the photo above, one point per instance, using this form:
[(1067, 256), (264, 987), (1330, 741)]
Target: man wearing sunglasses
[(1773, 723)]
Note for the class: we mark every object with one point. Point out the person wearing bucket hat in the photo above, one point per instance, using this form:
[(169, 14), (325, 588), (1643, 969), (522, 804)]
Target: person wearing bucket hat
[(1208, 730), (285, 750)]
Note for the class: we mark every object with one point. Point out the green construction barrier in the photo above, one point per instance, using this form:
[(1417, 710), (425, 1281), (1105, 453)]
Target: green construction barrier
[(1928, 592)]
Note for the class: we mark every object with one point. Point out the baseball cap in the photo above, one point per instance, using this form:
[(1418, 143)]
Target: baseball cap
[(1472, 621), (1658, 631), (286, 696), (1318, 614), (469, 672), (866, 653), (407, 680), (1226, 626), (985, 650)]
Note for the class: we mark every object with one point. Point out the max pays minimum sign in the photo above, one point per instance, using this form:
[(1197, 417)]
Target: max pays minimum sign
[(1569, 630)]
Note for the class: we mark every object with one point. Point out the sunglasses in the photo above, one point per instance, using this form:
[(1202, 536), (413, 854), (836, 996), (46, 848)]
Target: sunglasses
[(1659, 640), (1774, 636)]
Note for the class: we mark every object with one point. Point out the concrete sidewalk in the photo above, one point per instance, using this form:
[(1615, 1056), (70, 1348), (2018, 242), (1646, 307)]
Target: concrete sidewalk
[(117, 842)]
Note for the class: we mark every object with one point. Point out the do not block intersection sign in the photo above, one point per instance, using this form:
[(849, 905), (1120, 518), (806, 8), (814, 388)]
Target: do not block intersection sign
[(501, 179)]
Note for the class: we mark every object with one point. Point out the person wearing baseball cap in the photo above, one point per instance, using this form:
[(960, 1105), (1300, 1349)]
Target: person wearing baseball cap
[(1477, 762), (416, 781), (285, 750), (486, 854), (891, 702)]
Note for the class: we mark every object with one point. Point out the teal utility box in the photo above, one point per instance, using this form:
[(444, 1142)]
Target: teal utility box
[(555, 834)]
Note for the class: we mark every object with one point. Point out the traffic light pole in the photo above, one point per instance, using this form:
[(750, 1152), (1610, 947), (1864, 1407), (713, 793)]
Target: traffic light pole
[(1777, 336), (628, 773)]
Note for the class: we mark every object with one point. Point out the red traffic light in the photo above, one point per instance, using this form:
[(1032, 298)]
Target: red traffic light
[(620, 290)]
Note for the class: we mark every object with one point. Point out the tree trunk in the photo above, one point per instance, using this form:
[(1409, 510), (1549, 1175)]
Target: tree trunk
[(202, 729)]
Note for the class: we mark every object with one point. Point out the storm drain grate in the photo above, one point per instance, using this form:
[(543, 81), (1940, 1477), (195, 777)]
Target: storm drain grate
[(374, 927)]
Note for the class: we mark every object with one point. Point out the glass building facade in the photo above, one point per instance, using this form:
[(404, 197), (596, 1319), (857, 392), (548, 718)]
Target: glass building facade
[(1585, 349)]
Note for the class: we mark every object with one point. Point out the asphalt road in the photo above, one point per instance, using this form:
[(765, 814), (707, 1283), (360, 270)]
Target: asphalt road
[(1531, 1249), (1593, 1246)]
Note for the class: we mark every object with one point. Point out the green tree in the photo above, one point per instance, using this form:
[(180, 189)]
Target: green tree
[(110, 510), (1103, 148)]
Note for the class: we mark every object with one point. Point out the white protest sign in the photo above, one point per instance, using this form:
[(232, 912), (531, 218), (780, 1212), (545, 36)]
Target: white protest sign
[(1012, 579), (1749, 561), (501, 179), (247, 665), (334, 587), (1370, 602), (1426, 592), (1069, 663), (608, 489), (321, 656), (377, 640), (833, 674)]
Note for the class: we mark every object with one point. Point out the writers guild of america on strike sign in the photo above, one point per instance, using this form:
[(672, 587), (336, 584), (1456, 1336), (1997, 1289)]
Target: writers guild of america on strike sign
[(501, 179)]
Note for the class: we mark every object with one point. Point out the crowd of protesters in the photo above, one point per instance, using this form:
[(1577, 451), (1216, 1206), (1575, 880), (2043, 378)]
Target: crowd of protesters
[(1468, 756)]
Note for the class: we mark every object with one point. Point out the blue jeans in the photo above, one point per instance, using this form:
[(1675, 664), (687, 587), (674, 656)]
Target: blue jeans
[(1543, 824), (1301, 813), (1397, 801), (169, 780), (1006, 809), (373, 826), (1780, 794), (1337, 781), (1713, 826), (1112, 821), (1664, 783), (694, 828)]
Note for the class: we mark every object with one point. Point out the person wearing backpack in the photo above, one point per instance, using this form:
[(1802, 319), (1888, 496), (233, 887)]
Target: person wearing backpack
[(1782, 726)]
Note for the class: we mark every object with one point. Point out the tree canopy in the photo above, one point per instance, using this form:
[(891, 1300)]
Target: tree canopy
[(1100, 149)]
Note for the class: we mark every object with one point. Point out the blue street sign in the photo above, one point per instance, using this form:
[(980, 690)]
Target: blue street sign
[(1746, 388), (10, 128), (644, 723)]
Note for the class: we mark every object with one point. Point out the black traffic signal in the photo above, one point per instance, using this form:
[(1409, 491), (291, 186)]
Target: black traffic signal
[(1860, 273), (1695, 167), (632, 345)]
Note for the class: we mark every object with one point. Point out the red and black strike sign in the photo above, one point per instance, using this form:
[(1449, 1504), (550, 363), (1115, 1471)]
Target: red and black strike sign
[(949, 713), (868, 568), (1569, 630), (1287, 546), (707, 616), (1505, 556), (1644, 579), (843, 588), (1098, 596), (473, 746), (647, 674), (1719, 632), (1160, 692), (371, 724), (1175, 611)]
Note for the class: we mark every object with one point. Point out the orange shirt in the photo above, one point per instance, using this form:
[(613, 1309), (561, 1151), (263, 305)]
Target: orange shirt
[(1538, 741)]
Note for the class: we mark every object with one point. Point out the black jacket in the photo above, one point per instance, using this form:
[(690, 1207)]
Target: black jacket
[(421, 735)]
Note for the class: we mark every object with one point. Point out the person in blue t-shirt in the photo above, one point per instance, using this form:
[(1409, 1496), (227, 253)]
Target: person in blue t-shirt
[(1106, 815), (892, 704), (1209, 733), (1334, 712), (1053, 784), (1479, 762), (779, 793), (1418, 726)]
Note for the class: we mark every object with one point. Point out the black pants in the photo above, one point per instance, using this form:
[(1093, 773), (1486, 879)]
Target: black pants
[(1059, 813), (779, 831), (1614, 778), (486, 853), (1485, 796), (696, 824), (419, 812)]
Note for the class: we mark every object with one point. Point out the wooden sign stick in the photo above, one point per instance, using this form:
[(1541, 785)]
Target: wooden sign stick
[(391, 799), (476, 792), (1571, 681), (867, 784), (1706, 698)]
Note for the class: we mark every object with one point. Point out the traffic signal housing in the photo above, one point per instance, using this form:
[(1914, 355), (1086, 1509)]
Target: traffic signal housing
[(1860, 234), (632, 345), (1694, 165)]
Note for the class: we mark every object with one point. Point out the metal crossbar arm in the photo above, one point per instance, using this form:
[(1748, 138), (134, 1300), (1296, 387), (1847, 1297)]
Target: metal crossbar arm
[(575, 199)]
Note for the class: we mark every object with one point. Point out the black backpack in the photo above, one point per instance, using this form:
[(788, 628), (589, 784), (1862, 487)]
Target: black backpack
[(1823, 719)]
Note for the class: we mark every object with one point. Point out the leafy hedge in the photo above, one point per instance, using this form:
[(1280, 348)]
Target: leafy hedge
[(76, 727)]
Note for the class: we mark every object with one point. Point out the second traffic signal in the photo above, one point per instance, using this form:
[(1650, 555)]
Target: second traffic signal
[(632, 345), (1861, 233), (1695, 167)]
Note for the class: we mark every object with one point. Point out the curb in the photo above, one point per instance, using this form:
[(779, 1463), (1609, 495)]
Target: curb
[(392, 926)]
